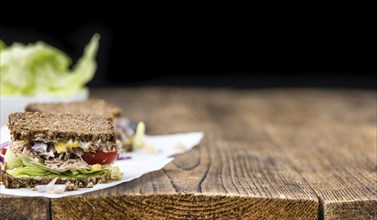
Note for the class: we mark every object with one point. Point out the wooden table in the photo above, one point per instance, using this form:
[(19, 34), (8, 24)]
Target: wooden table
[(267, 154)]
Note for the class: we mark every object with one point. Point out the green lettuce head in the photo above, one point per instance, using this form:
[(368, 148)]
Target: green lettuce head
[(38, 69)]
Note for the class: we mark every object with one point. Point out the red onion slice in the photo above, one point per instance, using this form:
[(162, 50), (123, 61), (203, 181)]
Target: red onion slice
[(124, 158)]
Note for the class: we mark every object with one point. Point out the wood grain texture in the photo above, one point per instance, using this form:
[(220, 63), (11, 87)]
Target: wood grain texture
[(267, 154), (335, 150), (235, 173), (12, 207), (180, 206)]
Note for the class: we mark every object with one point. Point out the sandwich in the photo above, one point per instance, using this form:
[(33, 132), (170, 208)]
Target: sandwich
[(72, 149), (128, 133)]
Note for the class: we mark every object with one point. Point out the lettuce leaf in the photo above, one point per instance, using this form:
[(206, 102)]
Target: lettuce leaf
[(2, 45), (23, 166), (35, 171), (39, 68), (12, 160)]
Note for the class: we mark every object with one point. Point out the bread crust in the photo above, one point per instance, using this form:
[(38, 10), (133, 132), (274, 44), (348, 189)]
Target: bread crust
[(90, 106), (11, 182), (26, 126)]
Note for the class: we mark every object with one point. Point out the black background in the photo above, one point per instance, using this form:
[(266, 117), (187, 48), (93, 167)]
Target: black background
[(237, 53)]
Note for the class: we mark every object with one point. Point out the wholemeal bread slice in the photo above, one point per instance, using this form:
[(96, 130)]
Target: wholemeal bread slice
[(66, 138), (26, 126), (90, 106), (11, 182)]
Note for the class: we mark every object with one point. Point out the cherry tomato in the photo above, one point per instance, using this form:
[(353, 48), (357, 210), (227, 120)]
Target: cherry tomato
[(100, 157)]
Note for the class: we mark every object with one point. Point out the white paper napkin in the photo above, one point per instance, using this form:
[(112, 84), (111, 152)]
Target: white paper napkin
[(158, 152)]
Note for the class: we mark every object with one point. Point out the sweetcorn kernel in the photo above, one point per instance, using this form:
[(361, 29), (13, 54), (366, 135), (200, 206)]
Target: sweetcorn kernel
[(72, 144), (96, 166), (61, 147)]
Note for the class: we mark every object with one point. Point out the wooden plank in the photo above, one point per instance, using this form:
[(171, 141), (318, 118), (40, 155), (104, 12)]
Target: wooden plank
[(180, 206), (230, 175), (15, 207), (330, 137), (267, 154)]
